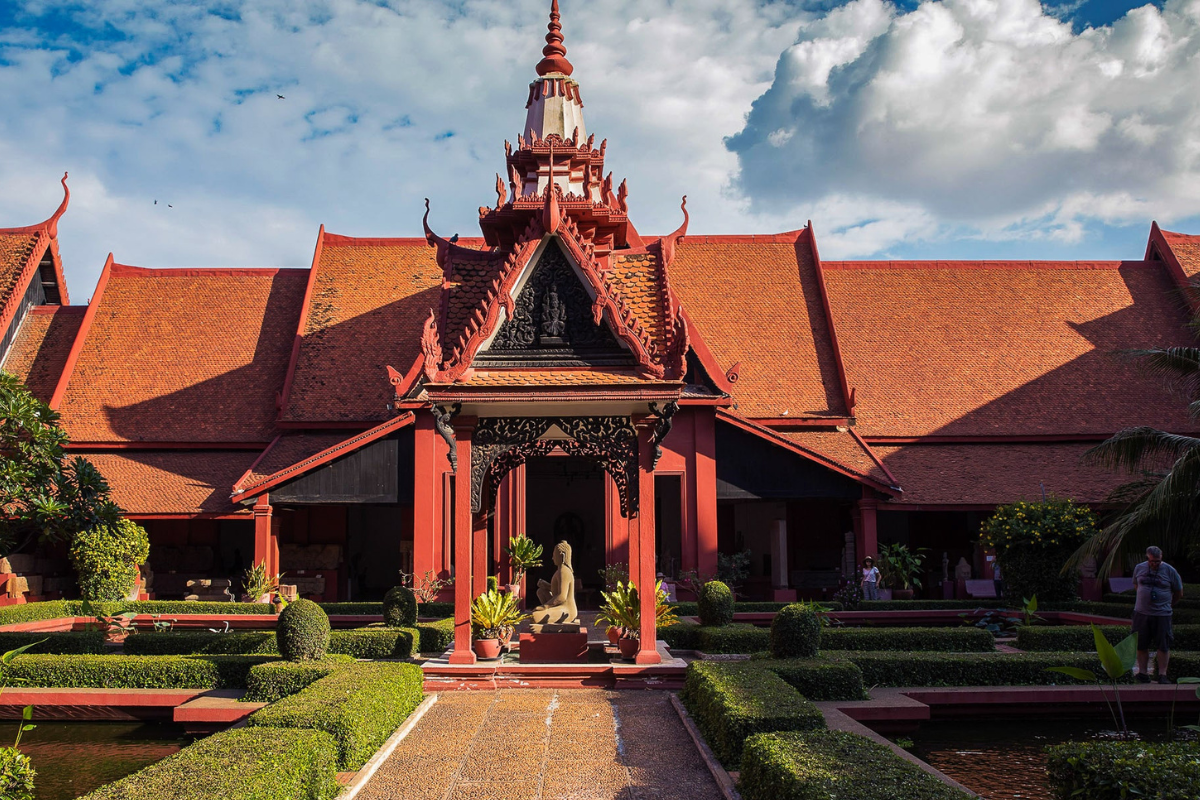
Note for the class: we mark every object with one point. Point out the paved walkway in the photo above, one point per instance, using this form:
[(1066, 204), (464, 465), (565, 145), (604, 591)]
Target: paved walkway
[(544, 744)]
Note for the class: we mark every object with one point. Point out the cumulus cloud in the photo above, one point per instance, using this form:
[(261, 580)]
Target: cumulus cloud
[(385, 103), (988, 118)]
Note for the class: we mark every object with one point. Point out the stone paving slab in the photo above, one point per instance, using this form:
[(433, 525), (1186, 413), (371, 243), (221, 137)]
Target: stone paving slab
[(546, 744)]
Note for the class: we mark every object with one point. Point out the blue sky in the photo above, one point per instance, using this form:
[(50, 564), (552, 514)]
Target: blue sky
[(915, 129)]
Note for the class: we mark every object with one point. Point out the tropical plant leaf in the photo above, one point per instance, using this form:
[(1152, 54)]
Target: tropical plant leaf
[(1075, 672), (8, 657), (1116, 662)]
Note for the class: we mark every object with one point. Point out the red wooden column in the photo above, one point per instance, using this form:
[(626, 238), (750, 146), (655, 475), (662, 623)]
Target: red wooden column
[(510, 517), (427, 529), (704, 478), (464, 428), (480, 564), (866, 538), (643, 567), (266, 535)]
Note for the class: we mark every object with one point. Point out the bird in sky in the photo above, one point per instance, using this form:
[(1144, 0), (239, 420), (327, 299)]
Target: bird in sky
[(281, 97), (170, 206), (155, 202)]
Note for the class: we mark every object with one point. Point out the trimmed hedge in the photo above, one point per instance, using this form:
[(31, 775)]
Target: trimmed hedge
[(357, 642), (131, 672), (435, 609), (302, 633), (81, 642), (818, 678), (737, 637), (376, 642), (54, 609), (400, 607), (32, 612), (241, 764), (1080, 637), (1182, 616), (732, 701), (833, 765), (688, 608), (437, 637), (1119, 770), (952, 640), (360, 706), (928, 605), (353, 609), (796, 632), (275, 680), (714, 604), (986, 669)]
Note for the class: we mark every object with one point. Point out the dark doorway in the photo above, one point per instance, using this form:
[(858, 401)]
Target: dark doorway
[(565, 502), (668, 523)]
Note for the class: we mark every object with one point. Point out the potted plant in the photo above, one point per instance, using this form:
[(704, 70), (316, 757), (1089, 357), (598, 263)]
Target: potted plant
[(900, 569), (622, 609), (494, 617), (523, 555), (258, 584)]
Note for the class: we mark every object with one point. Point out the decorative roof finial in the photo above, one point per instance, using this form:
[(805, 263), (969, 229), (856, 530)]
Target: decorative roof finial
[(555, 53), (52, 223)]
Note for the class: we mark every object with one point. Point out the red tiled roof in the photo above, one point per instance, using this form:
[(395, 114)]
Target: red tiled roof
[(1005, 348), (288, 449), (988, 474), (41, 347), (369, 300), (757, 302), (183, 355), (1186, 249), (173, 481), (636, 277), (554, 378), (844, 448), (20, 252)]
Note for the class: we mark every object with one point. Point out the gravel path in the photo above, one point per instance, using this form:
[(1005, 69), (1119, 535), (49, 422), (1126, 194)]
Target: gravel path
[(543, 744)]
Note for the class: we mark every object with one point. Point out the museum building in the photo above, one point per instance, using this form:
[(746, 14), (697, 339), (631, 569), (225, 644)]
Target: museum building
[(411, 403)]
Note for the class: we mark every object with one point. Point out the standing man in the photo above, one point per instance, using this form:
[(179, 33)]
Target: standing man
[(1159, 587)]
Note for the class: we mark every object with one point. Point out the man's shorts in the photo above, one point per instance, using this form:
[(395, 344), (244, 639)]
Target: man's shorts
[(1154, 633)]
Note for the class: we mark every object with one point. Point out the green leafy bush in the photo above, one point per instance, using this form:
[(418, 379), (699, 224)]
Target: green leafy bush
[(35, 612), (732, 701), (686, 608), (16, 775), (1120, 770), (240, 764), (81, 642), (302, 633), (681, 636), (202, 643), (927, 605), (435, 610), (796, 632), (376, 642), (113, 672), (1033, 541), (106, 557), (953, 640), (715, 604), (985, 669), (400, 607), (360, 706), (352, 609), (818, 678), (1079, 637), (55, 609), (833, 765), (275, 680), (436, 637)]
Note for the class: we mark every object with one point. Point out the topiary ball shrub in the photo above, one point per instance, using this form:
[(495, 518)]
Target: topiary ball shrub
[(106, 557), (715, 604), (303, 631), (16, 775), (399, 608), (796, 632)]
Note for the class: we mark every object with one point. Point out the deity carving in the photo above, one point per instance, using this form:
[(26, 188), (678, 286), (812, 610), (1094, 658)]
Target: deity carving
[(554, 317)]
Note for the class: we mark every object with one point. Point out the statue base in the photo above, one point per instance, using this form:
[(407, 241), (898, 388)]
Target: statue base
[(557, 627), (549, 647)]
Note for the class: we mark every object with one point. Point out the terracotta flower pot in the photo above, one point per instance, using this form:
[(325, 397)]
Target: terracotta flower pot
[(902, 594), (628, 646), (487, 648), (614, 634)]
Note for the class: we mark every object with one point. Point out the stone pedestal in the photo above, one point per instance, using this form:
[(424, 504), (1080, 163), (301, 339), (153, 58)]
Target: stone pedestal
[(554, 648)]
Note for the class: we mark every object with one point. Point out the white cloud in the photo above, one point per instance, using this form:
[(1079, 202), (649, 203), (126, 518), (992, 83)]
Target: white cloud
[(990, 116)]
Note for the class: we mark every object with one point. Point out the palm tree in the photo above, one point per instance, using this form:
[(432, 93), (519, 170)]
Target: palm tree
[(1162, 505)]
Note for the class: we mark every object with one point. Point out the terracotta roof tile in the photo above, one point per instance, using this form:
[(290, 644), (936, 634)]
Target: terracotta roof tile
[(41, 347), (757, 302), (555, 377), (986, 474), (16, 252), (1005, 348), (636, 278), (289, 449), (173, 481), (842, 447), (184, 356), (370, 299), (1187, 249)]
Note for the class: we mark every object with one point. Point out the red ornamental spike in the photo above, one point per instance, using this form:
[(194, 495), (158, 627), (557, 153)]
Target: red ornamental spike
[(555, 54)]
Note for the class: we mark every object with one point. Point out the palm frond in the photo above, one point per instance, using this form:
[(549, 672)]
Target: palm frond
[(1139, 448)]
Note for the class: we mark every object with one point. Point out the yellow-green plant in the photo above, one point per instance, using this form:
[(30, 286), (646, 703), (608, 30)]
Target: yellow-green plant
[(622, 609), (523, 555), (257, 581), (495, 614)]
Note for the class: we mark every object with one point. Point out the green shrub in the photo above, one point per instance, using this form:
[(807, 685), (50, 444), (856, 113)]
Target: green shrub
[(818, 678), (360, 706), (274, 680), (302, 633), (234, 671), (1032, 541), (81, 642), (732, 701), (737, 637), (35, 612), (376, 642), (202, 643), (131, 672), (16, 775), (953, 640), (833, 765), (715, 604), (1079, 637), (106, 557), (437, 637), (352, 609), (986, 669), (1120, 770), (435, 610), (795, 632), (400, 607), (928, 605), (687, 608), (681, 636), (55, 609), (240, 764)]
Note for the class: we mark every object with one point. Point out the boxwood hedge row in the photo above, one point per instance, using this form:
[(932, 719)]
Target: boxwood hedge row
[(732, 701), (818, 678), (53, 609), (357, 642), (131, 672), (436, 637), (360, 706), (81, 642), (985, 669), (241, 764), (1120, 770), (832, 765), (745, 638), (275, 680), (1080, 637)]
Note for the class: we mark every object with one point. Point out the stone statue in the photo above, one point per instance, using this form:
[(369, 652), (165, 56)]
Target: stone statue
[(945, 567), (558, 595), (962, 570)]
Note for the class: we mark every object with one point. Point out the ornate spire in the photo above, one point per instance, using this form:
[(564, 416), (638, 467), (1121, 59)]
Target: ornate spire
[(555, 53)]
